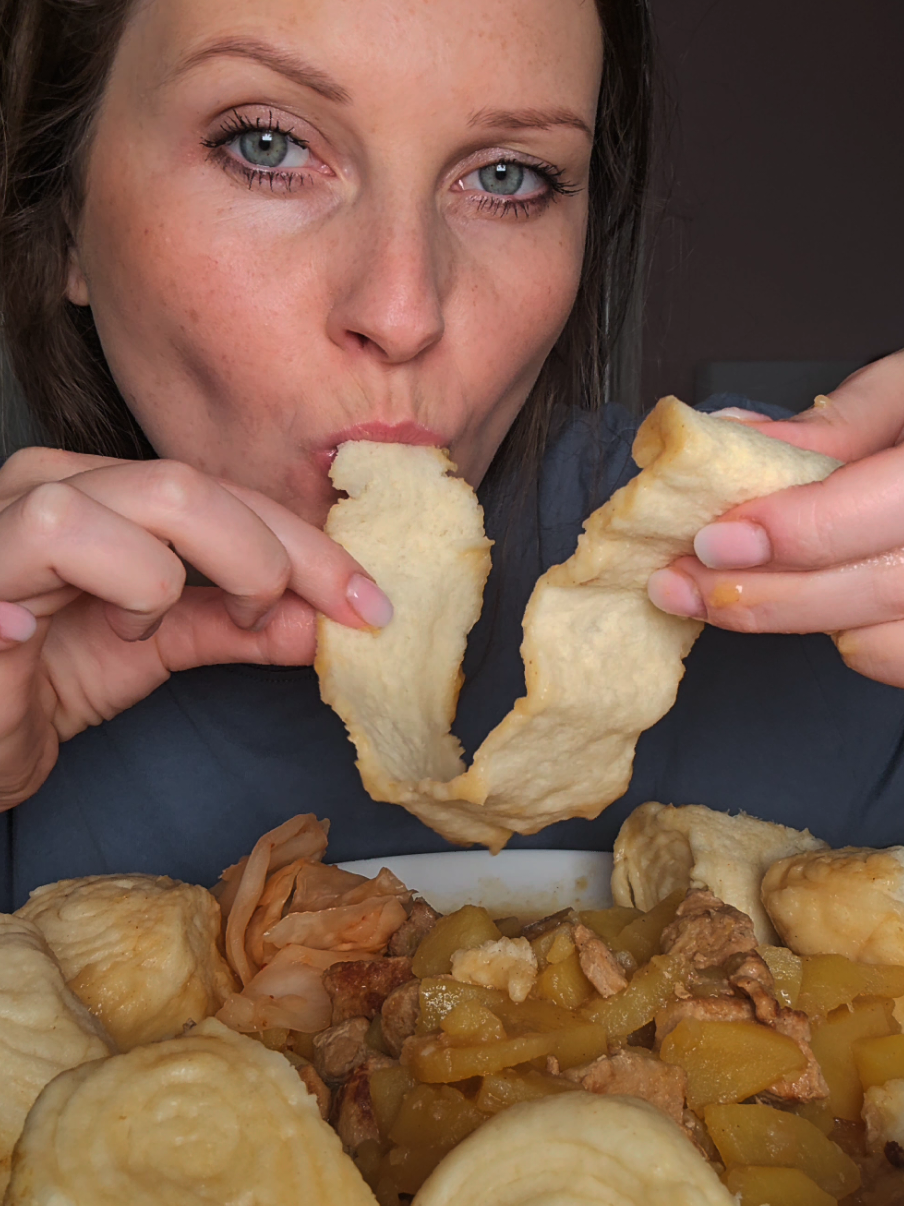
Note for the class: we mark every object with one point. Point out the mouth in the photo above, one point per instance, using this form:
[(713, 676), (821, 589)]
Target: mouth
[(378, 433)]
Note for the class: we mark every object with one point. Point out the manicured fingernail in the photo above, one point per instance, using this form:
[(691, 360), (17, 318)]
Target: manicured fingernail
[(368, 601), (738, 412), (676, 594), (733, 545), (16, 623)]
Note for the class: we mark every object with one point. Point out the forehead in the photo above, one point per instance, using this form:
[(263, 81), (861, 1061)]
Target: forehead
[(488, 52)]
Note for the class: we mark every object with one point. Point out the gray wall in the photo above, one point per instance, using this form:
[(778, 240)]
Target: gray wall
[(781, 197)]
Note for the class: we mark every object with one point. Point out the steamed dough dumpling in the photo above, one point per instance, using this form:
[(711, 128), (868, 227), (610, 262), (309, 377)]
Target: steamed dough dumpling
[(44, 1028), (139, 950), (840, 902), (576, 1149), (211, 1118), (660, 849)]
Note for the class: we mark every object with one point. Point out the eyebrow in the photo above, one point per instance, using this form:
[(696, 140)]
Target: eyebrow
[(530, 119), (280, 61)]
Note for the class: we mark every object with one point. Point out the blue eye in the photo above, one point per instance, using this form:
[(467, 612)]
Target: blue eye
[(504, 179), (269, 149)]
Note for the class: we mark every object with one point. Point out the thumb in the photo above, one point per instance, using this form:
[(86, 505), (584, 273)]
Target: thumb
[(197, 631), (862, 416)]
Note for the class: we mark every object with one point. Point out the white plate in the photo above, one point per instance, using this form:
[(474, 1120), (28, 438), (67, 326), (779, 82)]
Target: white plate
[(521, 883)]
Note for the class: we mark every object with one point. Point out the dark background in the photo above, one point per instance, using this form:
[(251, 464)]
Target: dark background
[(778, 206)]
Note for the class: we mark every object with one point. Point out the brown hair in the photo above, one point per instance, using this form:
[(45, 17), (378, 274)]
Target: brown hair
[(55, 56)]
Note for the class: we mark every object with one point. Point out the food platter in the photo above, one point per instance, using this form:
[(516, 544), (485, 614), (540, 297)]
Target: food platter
[(521, 883)]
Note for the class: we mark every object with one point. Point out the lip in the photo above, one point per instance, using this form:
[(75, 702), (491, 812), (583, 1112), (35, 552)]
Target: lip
[(378, 433)]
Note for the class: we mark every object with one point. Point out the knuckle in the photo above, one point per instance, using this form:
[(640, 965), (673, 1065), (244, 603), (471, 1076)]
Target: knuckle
[(48, 509), (276, 575), (175, 487)]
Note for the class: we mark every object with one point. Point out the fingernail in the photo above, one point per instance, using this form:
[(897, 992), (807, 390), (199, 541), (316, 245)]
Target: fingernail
[(16, 623), (733, 545), (368, 601), (738, 412), (260, 624), (675, 594), (152, 631)]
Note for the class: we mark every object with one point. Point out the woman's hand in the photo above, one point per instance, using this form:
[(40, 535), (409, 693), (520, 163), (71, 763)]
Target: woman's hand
[(94, 611), (828, 557)]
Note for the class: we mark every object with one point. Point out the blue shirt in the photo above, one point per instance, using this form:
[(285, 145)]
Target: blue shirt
[(184, 782)]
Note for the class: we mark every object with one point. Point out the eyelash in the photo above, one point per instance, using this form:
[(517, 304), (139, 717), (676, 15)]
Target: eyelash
[(238, 123), (518, 207), (495, 205)]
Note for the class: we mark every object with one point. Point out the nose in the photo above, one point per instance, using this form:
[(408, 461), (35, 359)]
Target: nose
[(389, 287)]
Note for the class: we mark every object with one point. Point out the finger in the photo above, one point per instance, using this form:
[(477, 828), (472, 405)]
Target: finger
[(847, 596), (205, 524), (198, 632), (856, 512), (28, 745), (876, 652), (29, 467), (247, 544), (17, 625), (56, 537), (863, 415), (323, 573), (96, 676)]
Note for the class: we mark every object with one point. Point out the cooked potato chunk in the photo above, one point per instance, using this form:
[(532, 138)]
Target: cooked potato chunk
[(870, 1017), (462, 930), (638, 1004), (879, 1059), (435, 1062), (760, 1135), (832, 980), (728, 1061), (787, 971), (641, 938), (434, 1116), (757, 1186), (470, 1022), (563, 982), (388, 1087)]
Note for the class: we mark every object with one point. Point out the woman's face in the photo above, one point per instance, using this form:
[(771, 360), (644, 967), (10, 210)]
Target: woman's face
[(311, 220)]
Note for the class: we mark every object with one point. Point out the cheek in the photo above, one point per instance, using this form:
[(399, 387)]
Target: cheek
[(519, 301), (179, 289)]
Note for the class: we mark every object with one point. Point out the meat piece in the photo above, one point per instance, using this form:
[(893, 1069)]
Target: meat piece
[(809, 1085), (633, 1073), (420, 921), (707, 1009), (353, 1113), (536, 929), (338, 1050), (749, 973), (399, 1015), (707, 931), (598, 963), (358, 989)]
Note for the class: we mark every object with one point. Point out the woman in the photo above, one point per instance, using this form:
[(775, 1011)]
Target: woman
[(236, 235)]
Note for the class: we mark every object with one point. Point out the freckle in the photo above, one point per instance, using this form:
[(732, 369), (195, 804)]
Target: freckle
[(725, 594)]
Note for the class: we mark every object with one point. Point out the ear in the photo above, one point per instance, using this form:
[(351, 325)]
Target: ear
[(76, 283)]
